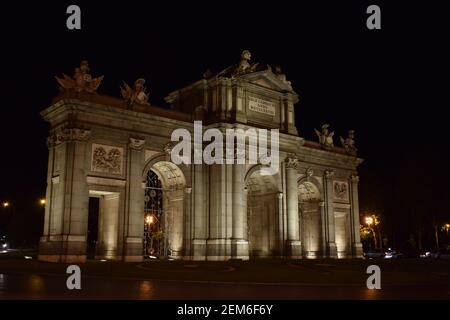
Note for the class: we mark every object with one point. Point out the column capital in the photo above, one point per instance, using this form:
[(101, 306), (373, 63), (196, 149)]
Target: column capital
[(354, 178), (291, 161), (188, 190), (68, 134), (167, 148), (329, 174), (280, 195), (136, 143)]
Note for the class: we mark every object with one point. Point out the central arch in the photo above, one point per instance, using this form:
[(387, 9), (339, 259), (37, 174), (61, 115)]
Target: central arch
[(164, 208), (263, 214)]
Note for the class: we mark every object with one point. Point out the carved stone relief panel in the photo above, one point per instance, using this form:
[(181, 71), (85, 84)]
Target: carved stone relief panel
[(340, 190), (107, 159)]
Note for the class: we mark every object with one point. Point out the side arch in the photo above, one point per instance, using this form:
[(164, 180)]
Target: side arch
[(313, 181), (264, 215), (311, 216), (274, 179)]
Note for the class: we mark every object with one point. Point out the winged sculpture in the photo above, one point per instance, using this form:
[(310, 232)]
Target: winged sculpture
[(325, 137), (349, 143), (81, 80), (137, 94)]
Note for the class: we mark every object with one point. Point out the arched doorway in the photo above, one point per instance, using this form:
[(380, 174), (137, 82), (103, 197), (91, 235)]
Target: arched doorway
[(155, 219), (164, 211), (263, 214), (311, 223)]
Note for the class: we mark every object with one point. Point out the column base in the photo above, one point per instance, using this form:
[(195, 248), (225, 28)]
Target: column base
[(344, 255), (294, 249), (313, 255), (63, 249), (198, 249), (218, 249), (133, 258), (331, 250), (196, 258), (239, 249), (103, 252), (176, 255), (357, 250), (107, 257), (62, 258), (133, 251)]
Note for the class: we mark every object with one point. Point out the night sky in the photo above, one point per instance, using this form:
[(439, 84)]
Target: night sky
[(390, 85)]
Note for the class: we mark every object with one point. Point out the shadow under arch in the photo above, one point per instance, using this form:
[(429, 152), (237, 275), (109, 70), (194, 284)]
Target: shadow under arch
[(165, 158), (275, 178), (264, 219), (311, 216)]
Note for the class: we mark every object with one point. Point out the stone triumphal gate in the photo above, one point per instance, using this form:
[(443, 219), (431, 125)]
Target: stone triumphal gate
[(113, 190)]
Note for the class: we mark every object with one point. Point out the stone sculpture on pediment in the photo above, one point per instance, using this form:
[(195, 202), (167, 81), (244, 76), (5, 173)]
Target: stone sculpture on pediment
[(325, 137), (138, 94), (349, 143), (81, 81)]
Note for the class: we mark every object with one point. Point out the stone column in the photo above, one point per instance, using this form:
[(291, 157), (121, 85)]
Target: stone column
[(331, 250), (174, 222), (283, 121), (229, 99), (49, 189), (108, 227), (239, 101), (65, 240), (187, 226), (239, 244), (324, 220), (56, 204), (290, 116), (222, 87), (134, 202), (246, 212), (200, 229), (218, 244), (293, 243), (357, 249), (281, 231)]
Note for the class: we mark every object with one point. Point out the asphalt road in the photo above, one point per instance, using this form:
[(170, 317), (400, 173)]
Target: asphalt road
[(38, 286)]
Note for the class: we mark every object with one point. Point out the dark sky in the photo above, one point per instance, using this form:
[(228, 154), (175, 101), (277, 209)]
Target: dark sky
[(390, 85)]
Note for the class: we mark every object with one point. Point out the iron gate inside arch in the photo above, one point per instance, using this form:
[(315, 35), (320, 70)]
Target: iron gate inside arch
[(154, 226)]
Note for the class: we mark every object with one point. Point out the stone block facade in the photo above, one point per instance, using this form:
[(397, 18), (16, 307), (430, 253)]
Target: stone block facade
[(103, 148)]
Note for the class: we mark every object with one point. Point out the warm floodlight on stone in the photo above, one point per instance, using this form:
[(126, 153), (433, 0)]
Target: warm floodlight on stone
[(118, 153)]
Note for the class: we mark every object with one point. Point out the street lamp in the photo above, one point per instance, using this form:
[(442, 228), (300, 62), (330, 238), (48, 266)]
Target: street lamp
[(370, 221), (447, 227), (42, 202), (5, 204), (149, 219), (148, 239)]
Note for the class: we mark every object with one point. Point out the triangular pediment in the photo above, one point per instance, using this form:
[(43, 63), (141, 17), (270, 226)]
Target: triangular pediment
[(269, 80)]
